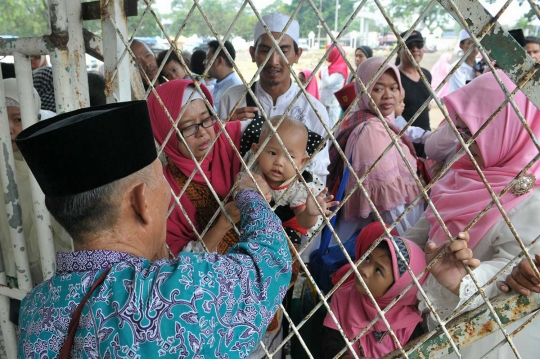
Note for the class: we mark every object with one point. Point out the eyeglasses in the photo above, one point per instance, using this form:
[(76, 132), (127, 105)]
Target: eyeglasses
[(418, 44), (193, 129), (465, 133)]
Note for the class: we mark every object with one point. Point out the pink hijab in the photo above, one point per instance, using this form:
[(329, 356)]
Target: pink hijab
[(390, 183), (355, 311), (337, 63), (365, 72), (460, 195), (220, 166), (365, 239), (312, 87)]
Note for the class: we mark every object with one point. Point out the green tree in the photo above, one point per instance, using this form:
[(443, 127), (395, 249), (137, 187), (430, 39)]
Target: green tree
[(148, 28), (24, 18), (308, 19)]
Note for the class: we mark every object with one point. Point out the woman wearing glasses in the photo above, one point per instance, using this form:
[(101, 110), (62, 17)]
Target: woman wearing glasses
[(501, 151), (218, 163), (416, 92)]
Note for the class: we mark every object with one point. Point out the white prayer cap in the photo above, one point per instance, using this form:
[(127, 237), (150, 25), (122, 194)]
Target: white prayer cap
[(464, 35), (276, 23)]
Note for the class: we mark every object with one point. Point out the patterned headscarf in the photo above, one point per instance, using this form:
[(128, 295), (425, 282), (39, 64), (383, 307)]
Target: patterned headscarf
[(43, 83)]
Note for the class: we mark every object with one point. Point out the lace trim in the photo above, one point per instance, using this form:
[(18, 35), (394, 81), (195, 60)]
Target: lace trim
[(443, 301), (466, 290)]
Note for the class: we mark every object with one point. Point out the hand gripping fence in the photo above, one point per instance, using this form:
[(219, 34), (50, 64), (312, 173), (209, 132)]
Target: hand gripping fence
[(66, 47)]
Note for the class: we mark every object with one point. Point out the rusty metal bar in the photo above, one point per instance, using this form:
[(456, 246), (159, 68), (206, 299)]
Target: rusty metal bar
[(118, 86), (76, 46), (473, 326), (499, 42), (60, 59), (42, 217), (12, 203)]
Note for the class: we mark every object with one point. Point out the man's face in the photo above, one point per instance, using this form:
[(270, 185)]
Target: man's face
[(417, 50), (467, 43), (212, 71), (146, 60), (533, 50), (275, 72)]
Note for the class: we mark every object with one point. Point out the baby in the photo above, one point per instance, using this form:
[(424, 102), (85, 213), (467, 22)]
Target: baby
[(416, 134), (279, 173)]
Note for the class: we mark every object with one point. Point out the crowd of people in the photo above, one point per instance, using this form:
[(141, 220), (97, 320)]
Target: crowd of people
[(205, 273)]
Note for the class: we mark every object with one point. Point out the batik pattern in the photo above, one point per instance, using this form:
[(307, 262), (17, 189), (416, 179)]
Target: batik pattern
[(196, 306)]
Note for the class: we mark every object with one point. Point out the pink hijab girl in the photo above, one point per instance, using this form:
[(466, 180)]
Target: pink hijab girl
[(363, 138), (355, 310)]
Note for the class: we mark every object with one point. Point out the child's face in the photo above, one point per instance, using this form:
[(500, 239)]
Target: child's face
[(386, 93), (173, 70), (400, 107), (376, 270), (274, 163)]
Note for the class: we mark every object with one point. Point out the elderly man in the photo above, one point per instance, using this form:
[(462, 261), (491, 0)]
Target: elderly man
[(465, 72), (118, 294), (275, 89), (222, 70), (146, 61)]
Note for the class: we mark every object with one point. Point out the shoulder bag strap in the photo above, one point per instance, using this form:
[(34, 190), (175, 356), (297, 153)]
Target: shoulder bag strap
[(74, 323), (327, 234)]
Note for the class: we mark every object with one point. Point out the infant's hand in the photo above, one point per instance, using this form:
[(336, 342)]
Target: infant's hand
[(324, 201)]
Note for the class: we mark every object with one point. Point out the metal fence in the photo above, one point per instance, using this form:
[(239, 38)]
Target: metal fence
[(67, 45)]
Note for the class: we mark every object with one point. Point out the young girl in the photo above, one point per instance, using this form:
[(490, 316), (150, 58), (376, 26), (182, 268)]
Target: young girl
[(173, 68), (363, 137), (386, 276), (279, 173)]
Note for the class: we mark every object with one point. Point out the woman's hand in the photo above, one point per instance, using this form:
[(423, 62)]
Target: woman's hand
[(449, 269), (522, 279), (324, 201)]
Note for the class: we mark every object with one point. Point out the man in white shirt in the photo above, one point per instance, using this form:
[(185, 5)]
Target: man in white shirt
[(222, 70), (275, 89), (465, 72)]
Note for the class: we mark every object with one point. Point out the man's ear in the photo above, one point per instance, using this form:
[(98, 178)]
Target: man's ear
[(252, 53), (139, 204), (298, 54)]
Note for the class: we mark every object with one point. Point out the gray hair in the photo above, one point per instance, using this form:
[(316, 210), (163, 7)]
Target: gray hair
[(95, 210)]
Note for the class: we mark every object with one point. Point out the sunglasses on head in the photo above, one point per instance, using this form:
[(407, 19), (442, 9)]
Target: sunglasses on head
[(417, 44)]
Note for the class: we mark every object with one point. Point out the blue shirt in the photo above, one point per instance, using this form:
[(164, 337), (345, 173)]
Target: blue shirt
[(196, 306), (220, 87)]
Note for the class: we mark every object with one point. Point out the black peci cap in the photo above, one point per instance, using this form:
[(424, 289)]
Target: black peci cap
[(84, 149)]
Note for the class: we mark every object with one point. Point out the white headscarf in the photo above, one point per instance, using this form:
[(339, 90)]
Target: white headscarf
[(12, 95)]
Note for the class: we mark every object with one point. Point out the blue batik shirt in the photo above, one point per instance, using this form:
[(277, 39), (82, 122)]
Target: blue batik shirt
[(195, 306)]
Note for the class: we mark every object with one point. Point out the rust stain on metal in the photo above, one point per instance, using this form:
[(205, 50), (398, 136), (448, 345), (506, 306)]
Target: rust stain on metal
[(57, 40), (487, 328)]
